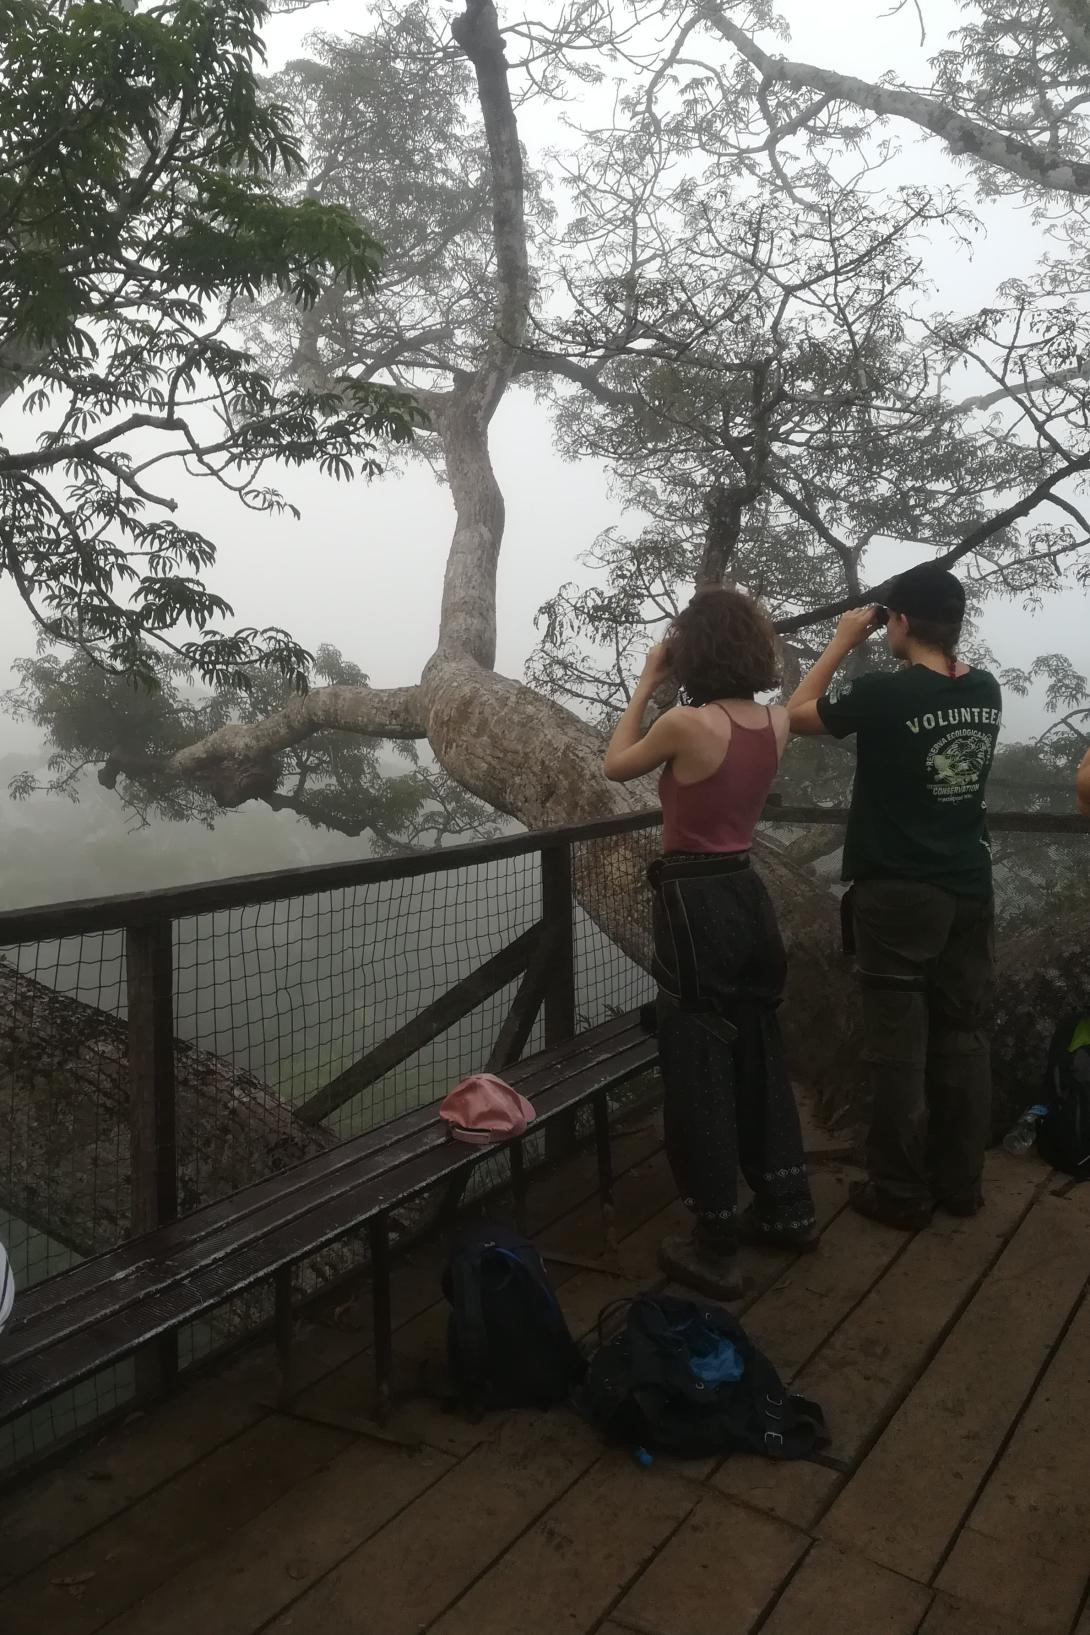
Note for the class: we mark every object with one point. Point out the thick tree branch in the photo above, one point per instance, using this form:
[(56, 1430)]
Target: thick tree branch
[(239, 761), (477, 32), (964, 137), (468, 616), (972, 541), (1022, 388)]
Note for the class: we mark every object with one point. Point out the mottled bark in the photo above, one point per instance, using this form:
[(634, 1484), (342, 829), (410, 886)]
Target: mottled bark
[(64, 1119), (236, 762)]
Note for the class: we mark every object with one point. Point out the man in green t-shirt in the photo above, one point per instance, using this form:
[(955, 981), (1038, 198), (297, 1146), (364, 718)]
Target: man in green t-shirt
[(919, 862)]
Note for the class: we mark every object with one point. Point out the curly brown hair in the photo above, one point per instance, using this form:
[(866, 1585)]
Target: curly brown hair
[(722, 646)]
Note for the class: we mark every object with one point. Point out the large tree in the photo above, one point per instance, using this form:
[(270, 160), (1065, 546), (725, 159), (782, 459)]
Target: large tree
[(137, 209), (766, 337)]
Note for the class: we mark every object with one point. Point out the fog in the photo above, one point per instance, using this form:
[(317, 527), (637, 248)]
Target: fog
[(363, 568)]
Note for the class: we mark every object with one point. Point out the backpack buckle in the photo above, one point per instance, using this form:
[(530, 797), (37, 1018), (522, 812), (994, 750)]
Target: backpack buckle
[(773, 1439)]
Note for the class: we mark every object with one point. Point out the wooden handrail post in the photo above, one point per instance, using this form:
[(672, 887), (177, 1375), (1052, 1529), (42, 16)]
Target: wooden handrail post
[(153, 1145), (558, 914)]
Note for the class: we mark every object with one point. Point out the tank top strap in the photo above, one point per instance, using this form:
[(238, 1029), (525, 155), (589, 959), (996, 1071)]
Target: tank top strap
[(769, 726)]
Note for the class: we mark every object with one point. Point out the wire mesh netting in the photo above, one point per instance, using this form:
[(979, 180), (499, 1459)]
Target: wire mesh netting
[(64, 1136), (275, 1004), (297, 1025)]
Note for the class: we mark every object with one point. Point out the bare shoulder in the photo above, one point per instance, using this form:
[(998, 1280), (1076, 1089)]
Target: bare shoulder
[(686, 719)]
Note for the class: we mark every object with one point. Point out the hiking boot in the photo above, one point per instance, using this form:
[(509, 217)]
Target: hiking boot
[(901, 1213), (798, 1240), (703, 1267), (964, 1208)]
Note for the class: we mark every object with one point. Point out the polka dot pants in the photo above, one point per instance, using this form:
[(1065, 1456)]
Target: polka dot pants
[(728, 1101)]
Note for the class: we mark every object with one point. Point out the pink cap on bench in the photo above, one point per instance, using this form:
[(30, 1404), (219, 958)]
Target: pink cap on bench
[(483, 1109)]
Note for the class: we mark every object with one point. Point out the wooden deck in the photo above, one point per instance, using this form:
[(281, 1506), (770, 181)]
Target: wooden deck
[(953, 1368)]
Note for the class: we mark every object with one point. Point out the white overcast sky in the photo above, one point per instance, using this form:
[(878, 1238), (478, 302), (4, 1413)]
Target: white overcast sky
[(363, 568)]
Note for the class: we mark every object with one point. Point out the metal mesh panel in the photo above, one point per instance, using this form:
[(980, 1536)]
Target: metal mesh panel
[(64, 1141), (612, 928), (278, 1002)]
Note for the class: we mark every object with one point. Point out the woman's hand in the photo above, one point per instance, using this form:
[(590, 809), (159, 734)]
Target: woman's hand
[(656, 666), (855, 626)]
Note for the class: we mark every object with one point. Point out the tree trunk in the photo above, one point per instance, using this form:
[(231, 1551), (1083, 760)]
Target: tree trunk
[(531, 758), (526, 755), (64, 1119)]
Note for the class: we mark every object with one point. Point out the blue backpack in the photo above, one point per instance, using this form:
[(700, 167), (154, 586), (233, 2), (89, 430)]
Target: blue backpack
[(508, 1345), (686, 1380)]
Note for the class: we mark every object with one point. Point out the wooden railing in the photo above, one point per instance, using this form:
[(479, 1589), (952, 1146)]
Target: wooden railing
[(543, 957)]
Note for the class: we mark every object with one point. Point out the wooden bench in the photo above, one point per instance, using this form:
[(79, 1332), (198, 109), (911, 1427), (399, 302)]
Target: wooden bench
[(122, 1302)]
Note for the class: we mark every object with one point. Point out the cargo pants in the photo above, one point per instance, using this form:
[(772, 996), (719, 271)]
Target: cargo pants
[(926, 960)]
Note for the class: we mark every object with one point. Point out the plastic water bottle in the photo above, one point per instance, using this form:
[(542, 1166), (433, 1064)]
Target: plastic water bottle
[(1020, 1137)]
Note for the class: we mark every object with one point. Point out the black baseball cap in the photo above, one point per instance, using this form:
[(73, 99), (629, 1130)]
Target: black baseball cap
[(925, 592)]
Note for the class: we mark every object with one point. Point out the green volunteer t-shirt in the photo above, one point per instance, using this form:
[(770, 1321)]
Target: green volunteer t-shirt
[(925, 744)]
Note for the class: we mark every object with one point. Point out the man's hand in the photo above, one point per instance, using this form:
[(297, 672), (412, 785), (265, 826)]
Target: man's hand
[(855, 627), (851, 632)]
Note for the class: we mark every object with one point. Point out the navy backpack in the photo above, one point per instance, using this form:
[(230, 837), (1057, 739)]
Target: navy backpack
[(508, 1345)]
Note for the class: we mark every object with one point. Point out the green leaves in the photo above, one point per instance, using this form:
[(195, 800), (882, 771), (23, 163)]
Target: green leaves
[(138, 207)]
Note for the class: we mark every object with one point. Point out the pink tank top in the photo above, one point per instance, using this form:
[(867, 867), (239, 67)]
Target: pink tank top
[(720, 813)]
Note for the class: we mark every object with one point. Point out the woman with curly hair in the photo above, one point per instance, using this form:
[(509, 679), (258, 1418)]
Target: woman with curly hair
[(718, 956)]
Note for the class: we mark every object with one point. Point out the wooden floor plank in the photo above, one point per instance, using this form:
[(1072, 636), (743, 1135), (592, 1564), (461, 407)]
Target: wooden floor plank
[(911, 1493), (717, 1574), (796, 1491), (1010, 1580), (1026, 1546), (818, 1291), (237, 1586), (108, 1571), (639, 1195), (872, 1361), (571, 1566), (948, 1616), (405, 1576), (836, 1592), (44, 1516)]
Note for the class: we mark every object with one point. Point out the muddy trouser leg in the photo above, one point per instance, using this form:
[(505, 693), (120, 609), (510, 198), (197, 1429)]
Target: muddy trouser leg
[(901, 927), (769, 1137), (959, 1083), (697, 1066)]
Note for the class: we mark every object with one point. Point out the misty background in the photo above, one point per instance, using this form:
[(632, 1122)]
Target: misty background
[(363, 568)]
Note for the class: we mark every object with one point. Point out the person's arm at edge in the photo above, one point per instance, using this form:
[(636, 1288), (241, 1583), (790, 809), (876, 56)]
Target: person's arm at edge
[(631, 753), (1082, 785), (851, 632)]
